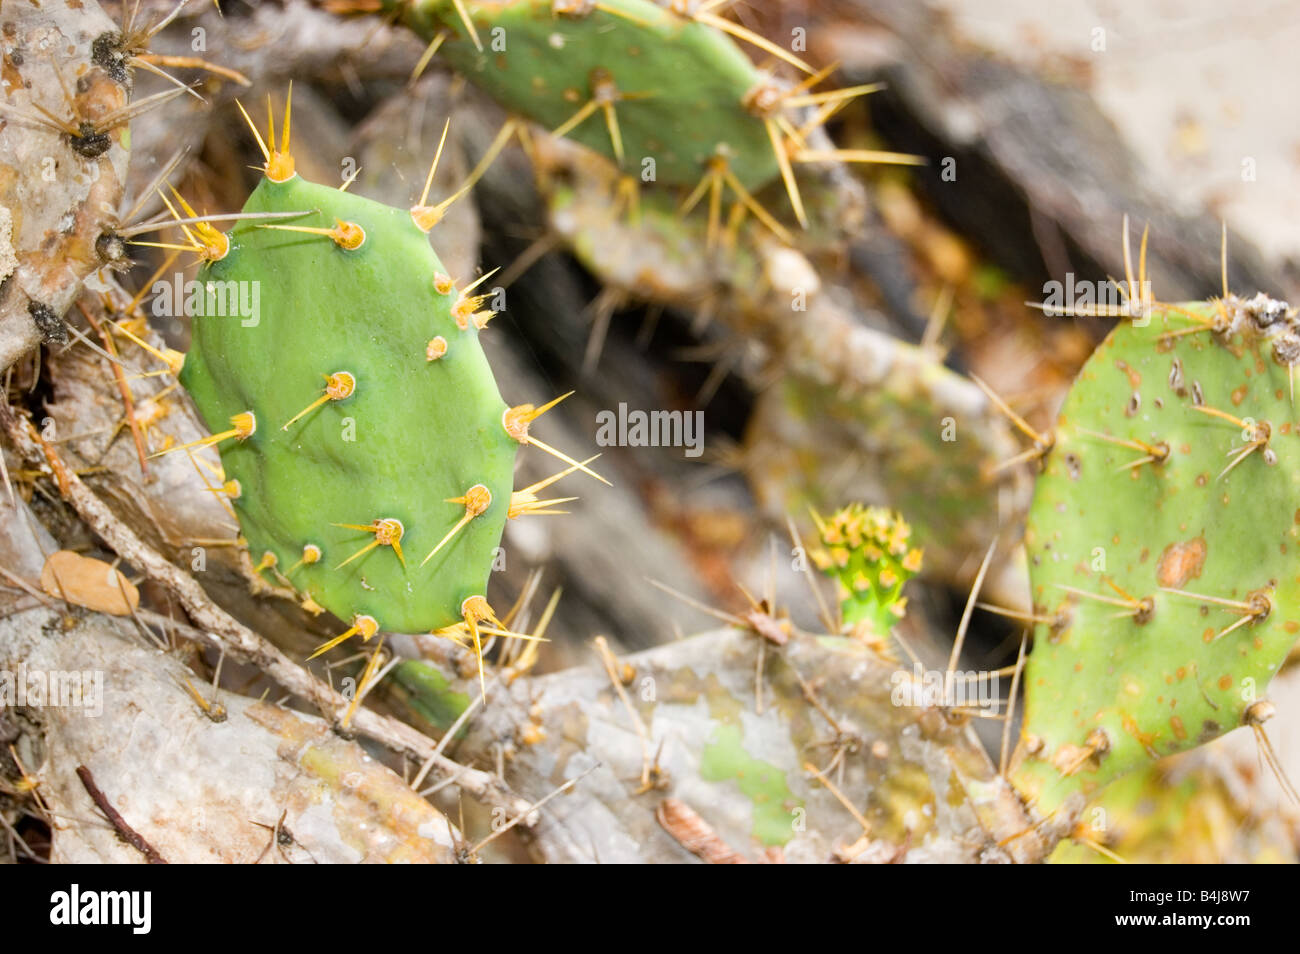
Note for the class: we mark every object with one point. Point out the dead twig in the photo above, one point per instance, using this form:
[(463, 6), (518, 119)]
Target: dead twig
[(124, 831)]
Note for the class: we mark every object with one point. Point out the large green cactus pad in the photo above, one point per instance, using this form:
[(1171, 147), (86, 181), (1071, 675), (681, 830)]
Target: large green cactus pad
[(1186, 563), (678, 87), (414, 433)]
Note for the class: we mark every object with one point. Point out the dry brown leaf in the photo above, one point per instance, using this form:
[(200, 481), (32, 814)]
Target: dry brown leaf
[(90, 583)]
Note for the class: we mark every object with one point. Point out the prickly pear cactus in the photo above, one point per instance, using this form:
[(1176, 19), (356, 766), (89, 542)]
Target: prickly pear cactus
[(868, 552), (370, 451), (848, 391), (1162, 544), (627, 78)]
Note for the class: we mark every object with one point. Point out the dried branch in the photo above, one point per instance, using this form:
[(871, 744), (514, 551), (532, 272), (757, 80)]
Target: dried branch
[(124, 831)]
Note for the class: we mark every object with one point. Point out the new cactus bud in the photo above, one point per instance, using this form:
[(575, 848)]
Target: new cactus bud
[(869, 553)]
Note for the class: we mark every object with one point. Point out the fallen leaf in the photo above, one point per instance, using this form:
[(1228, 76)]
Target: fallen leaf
[(90, 583)]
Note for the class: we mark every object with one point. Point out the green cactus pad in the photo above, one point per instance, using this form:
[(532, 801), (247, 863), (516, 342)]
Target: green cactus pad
[(1192, 510), (416, 430), (679, 88), (868, 552)]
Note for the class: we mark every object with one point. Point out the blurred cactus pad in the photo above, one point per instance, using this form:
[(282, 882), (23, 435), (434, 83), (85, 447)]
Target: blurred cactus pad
[(628, 78)]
